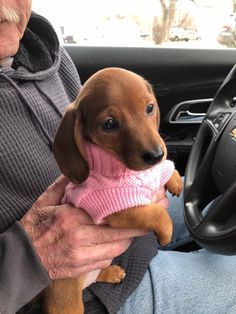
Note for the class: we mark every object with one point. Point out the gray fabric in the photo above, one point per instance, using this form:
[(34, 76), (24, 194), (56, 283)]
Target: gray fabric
[(32, 102), (24, 276)]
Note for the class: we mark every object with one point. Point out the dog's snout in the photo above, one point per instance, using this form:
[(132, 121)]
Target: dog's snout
[(153, 157)]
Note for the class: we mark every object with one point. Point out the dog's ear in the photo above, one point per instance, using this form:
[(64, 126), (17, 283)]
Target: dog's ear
[(70, 154), (151, 90), (158, 117)]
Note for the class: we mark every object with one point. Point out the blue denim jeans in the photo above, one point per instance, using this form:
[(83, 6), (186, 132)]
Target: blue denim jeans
[(198, 282)]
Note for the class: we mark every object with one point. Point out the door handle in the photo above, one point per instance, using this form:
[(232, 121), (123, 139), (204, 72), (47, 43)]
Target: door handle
[(189, 112), (188, 116)]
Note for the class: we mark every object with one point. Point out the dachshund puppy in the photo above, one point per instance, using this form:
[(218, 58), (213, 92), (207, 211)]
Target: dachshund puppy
[(109, 146)]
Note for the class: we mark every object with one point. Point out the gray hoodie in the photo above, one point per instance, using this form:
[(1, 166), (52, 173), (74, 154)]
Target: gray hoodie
[(33, 96), (34, 93)]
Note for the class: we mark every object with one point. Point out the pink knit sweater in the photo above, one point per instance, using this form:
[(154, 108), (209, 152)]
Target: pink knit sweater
[(112, 187)]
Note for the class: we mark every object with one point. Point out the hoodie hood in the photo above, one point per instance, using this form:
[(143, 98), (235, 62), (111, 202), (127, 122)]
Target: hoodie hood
[(38, 55)]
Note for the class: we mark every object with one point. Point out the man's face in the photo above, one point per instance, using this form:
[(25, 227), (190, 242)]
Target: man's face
[(14, 16)]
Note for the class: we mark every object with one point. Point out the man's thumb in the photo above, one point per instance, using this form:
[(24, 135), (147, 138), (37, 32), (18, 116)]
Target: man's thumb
[(54, 193)]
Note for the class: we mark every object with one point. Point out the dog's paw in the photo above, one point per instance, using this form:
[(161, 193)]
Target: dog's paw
[(165, 237), (175, 185), (112, 274), (118, 274), (164, 240), (177, 189)]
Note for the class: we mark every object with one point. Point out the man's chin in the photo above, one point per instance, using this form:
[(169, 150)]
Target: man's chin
[(7, 51)]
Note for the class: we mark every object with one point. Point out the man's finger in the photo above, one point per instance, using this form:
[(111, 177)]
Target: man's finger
[(104, 251), (105, 234)]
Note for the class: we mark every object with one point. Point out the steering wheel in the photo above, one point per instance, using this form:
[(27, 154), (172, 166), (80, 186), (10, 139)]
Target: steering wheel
[(211, 175)]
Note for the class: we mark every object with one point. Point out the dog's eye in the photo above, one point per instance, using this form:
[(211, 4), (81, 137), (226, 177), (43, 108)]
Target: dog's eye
[(149, 109), (110, 124)]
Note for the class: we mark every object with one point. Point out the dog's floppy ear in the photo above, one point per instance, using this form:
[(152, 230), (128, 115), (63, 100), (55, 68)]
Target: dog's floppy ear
[(70, 155), (151, 90)]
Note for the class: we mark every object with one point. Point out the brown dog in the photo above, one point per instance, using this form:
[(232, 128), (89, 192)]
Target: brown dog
[(116, 109)]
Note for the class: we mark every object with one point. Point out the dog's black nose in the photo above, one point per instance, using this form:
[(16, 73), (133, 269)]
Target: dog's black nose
[(153, 157)]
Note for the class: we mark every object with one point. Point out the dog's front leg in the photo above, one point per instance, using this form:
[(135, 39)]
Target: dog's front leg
[(151, 217), (175, 184)]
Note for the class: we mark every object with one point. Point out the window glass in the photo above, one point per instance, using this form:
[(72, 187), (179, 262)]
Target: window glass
[(149, 23)]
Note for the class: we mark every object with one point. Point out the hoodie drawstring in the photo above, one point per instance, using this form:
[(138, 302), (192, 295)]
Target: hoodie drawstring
[(57, 110)]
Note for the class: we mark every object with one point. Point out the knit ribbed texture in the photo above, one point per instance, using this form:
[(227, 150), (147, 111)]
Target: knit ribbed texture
[(112, 187)]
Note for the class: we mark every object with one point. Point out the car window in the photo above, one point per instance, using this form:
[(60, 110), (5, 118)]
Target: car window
[(149, 23)]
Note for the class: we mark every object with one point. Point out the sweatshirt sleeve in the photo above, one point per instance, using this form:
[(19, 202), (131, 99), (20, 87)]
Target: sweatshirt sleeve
[(22, 276)]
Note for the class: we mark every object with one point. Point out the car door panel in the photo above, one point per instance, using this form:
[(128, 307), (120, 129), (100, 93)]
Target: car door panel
[(177, 75)]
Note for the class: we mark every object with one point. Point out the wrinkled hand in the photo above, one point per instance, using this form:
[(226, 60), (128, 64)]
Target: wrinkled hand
[(65, 238)]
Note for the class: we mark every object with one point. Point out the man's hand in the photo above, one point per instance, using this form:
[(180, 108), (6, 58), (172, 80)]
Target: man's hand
[(65, 238)]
